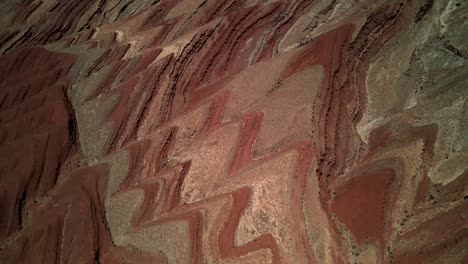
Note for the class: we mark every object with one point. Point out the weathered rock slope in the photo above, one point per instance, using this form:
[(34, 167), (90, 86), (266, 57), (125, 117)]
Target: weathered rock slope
[(255, 131)]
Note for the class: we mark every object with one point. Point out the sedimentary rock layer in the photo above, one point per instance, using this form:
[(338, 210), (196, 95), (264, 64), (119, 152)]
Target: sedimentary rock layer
[(208, 131)]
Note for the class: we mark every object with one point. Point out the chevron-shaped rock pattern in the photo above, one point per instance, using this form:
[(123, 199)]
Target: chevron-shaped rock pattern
[(227, 131)]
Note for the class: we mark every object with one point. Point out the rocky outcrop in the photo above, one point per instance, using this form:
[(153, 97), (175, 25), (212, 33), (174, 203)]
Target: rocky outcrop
[(249, 131)]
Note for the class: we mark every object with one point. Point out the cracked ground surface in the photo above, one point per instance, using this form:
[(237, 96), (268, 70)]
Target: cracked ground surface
[(255, 131)]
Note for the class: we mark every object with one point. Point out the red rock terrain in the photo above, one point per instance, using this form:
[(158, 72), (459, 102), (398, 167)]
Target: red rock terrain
[(256, 131)]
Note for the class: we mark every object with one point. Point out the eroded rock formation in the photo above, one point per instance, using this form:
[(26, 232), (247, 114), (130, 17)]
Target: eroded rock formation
[(209, 131)]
